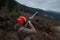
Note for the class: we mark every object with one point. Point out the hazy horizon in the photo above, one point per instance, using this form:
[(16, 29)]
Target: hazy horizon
[(42, 4)]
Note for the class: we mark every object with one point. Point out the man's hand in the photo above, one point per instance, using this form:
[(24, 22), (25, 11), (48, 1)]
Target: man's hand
[(32, 27), (29, 21)]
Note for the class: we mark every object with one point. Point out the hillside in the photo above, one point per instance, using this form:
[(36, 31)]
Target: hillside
[(46, 27), (13, 5), (44, 13)]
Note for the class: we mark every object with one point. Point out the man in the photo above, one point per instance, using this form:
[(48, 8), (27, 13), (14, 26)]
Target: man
[(22, 29)]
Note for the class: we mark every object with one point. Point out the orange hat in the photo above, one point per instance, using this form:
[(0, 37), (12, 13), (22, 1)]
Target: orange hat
[(21, 20), (24, 18)]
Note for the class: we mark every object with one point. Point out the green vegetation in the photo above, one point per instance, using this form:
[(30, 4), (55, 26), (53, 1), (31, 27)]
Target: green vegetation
[(14, 14), (11, 7)]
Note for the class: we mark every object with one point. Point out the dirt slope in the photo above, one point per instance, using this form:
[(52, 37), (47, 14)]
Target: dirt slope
[(45, 28)]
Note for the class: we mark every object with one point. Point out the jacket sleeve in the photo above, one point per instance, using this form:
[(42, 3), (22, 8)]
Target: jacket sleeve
[(26, 30)]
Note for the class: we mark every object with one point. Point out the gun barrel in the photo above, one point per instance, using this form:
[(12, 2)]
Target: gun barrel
[(33, 15)]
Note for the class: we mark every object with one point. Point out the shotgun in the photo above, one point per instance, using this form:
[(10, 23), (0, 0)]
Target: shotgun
[(31, 18)]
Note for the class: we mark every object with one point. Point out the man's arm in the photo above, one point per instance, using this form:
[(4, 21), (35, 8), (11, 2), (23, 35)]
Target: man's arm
[(26, 30), (32, 27)]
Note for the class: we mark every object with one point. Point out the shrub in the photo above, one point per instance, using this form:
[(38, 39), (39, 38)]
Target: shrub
[(14, 13)]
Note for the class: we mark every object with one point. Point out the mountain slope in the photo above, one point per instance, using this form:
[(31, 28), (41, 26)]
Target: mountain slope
[(46, 14), (12, 5)]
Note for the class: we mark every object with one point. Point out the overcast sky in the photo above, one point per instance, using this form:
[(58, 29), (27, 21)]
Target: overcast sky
[(53, 5)]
